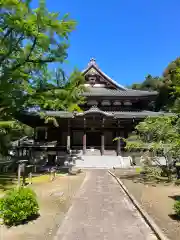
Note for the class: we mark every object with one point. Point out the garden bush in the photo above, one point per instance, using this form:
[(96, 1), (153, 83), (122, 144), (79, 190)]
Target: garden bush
[(18, 206), (177, 182), (177, 208), (151, 171)]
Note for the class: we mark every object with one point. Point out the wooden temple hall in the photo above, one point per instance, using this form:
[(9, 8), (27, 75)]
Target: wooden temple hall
[(111, 110)]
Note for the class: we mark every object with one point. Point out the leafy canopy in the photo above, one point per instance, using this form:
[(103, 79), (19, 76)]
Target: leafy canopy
[(160, 133), (167, 85), (30, 40), (54, 91)]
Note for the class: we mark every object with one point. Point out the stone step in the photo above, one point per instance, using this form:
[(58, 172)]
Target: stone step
[(101, 162), (110, 153), (97, 152)]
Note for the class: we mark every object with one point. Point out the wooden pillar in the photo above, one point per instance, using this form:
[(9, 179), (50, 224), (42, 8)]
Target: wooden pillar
[(125, 132), (84, 137), (84, 142), (118, 135), (46, 133), (102, 138), (118, 147), (69, 136), (35, 133), (102, 143)]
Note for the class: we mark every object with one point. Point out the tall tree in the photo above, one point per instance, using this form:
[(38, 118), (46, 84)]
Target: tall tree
[(150, 84), (56, 91), (158, 134), (172, 83), (167, 86), (167, 98), (30, 39)]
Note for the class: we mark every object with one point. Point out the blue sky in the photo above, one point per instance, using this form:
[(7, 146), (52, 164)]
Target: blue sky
[(128, 38)]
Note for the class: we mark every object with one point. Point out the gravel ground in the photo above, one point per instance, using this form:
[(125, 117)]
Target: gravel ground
[(54, 199), (157, 200)]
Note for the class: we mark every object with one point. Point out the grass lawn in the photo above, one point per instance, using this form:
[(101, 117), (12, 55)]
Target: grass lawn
[(157, 198), (54, 200), (9, 180)]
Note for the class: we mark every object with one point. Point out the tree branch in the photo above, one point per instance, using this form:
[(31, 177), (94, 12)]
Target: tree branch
[(12, 48), (31, 50), (27, 58), (41, 60), (7, 34)]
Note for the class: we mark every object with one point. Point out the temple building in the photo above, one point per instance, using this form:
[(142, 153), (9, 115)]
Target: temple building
[(111, 110)]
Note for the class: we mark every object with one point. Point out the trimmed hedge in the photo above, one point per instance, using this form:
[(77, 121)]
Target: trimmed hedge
[(177, 208), (18, 206)]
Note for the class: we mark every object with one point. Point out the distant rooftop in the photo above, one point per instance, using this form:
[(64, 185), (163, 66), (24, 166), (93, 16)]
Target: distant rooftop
[(119, 90), (105, 92)]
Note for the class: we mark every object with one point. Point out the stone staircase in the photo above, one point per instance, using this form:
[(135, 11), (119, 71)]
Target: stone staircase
[(110, 153), (93, 152), (97, 152), (103, 162)]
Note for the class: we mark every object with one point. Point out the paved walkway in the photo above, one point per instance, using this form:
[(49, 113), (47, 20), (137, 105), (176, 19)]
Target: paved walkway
[(101, 211)]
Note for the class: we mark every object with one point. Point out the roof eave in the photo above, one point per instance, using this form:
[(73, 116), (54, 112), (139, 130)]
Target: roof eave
[(105, 75)]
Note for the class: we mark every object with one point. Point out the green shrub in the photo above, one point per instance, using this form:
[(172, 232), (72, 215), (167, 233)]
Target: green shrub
[(177, 182), (138, 170), (152, 171), (18, 206), (177, 208)]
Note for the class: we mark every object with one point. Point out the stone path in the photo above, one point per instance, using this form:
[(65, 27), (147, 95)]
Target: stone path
[(101, 211)]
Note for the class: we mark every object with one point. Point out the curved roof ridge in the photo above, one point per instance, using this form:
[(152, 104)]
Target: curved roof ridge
[(94, 109), (93, 63), (142, 91), (101, 91)]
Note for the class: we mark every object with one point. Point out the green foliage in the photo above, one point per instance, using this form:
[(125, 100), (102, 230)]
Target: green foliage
[(18, 205), (158, 130), (138, 170), (11, 131), (158, 135), (149, 84), (177, 182), (177, 208), (53, 120), (30, 40), (152, 172), (56, 91), (167, 85)]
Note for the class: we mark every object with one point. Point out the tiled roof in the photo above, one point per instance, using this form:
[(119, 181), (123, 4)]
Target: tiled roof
[(93, 64), (61, 114), (105, 92), (142, 114), (113, 114), (95, 109), (121, 90)]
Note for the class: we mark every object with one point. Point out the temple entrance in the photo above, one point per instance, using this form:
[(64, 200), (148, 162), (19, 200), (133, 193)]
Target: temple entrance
[(93, 139)]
